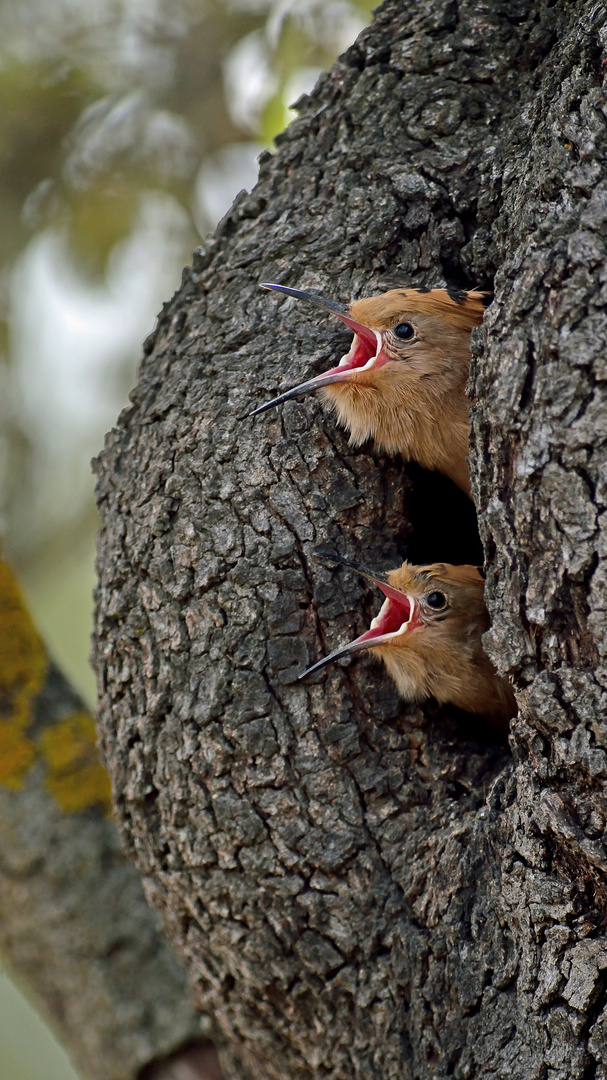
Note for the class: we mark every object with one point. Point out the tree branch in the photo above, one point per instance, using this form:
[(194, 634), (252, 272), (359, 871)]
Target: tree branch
[(75, 927)]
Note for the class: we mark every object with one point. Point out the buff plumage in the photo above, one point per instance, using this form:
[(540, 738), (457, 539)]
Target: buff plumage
[(429, 635), (403, 381)]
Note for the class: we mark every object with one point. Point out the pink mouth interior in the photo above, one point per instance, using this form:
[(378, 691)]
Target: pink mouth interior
[(364, 350), (365, 347), (392, 616), (366, 343)]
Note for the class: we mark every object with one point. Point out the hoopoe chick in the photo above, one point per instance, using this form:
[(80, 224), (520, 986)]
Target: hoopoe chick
[(428, 634), (403, 381)]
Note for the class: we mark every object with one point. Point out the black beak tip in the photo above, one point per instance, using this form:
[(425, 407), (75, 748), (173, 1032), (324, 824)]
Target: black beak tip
[(313, 669), (324, 556), (253, 412), (309, 297), (273, 286), (247, 415)]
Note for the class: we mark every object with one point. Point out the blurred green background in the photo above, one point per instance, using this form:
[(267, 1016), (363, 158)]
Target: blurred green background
[(127, 127)]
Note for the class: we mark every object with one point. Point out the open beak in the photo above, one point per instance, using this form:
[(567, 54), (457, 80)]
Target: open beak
[(396, 617), (378, 579), (364, 353)]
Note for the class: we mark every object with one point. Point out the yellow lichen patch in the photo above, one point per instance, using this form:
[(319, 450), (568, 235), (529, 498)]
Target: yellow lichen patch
[(16, 755), (23, 666), (76, 777)]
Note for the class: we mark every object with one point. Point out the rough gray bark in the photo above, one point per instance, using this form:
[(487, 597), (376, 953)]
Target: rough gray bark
[(75, 928), (361, 889)]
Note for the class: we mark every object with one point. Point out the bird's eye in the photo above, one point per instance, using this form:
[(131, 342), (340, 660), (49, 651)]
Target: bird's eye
[(436, 600), (404, 331)]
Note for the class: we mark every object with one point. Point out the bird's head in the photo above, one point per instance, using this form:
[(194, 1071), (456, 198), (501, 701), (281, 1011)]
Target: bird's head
[(425, 606), (428, 632), (401, 338)]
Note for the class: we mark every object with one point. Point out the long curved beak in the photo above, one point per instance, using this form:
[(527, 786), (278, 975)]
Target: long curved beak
[(325, 304), (374, 636), (366, 641), (342, 372), (325, 379), (310, 297), (378, 579)]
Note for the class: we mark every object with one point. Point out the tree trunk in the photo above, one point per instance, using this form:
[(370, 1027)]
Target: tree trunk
[(358, 888), (75, 927)]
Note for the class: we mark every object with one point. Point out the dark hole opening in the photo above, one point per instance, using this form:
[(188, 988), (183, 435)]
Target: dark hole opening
[(443, 521)]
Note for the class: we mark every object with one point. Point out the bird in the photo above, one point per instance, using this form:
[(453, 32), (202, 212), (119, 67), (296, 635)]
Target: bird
[(403, 381), (429, 635)]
